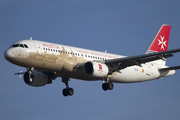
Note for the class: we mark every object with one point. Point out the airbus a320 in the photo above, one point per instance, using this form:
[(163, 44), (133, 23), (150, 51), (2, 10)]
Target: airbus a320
[(46, 61)]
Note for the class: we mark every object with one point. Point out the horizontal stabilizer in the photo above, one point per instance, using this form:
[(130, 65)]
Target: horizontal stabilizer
[(19, 73), (170, 68)]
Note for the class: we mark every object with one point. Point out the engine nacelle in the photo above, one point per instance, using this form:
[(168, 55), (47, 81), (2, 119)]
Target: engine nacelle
[(95, 69), (37, 79)]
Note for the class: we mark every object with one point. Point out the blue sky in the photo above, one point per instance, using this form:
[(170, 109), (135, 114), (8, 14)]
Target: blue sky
[(123, 27)]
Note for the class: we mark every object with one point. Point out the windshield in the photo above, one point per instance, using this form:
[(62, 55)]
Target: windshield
[(19, 45)]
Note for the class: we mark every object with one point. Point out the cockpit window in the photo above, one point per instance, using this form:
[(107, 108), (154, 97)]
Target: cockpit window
[(15, 45), (25, 46), (20, 45)]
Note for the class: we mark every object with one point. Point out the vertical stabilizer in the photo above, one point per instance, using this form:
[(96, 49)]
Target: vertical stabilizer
[(160, 42)]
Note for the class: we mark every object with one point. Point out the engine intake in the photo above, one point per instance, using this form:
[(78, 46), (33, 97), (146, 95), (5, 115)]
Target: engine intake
[(37, 79), (95, 69)]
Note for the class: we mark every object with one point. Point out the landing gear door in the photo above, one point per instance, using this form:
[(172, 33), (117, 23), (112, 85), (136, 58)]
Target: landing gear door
[(38, 48)]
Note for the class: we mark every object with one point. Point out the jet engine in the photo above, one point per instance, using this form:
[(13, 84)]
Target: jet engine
[(95, 69), (36, 79)]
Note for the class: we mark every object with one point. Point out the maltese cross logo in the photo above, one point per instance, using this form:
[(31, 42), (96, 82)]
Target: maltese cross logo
[(162, 42)]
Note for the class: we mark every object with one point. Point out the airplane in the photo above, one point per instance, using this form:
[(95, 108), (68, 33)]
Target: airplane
[(46, 61)]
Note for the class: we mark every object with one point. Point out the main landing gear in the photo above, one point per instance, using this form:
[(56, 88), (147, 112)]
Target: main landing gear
[(107, 85), (67, 91)]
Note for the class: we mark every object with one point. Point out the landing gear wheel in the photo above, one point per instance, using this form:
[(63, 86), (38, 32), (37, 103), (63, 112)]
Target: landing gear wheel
[(104, 86), (65, 92), (110, 85), (107, 86), (70, 91)]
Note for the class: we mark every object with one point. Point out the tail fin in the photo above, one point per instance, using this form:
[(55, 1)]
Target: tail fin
[(160, 42)]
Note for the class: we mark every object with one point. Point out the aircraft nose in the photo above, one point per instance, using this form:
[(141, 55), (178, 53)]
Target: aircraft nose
[(8, 54)]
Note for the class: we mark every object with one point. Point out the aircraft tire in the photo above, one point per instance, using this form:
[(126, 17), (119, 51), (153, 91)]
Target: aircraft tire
[(104, 86), (65, 92), (70, 91), (110, 85)]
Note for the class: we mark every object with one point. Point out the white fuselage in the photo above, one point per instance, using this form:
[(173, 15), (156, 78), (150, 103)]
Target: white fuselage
[(64, 60)]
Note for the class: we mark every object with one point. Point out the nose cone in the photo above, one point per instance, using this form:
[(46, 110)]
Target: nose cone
[(8, 55)]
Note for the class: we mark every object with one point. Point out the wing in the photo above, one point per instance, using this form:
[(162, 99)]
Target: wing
[(121, 63)]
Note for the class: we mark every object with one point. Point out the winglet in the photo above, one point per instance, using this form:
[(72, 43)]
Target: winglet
[(161, 40)]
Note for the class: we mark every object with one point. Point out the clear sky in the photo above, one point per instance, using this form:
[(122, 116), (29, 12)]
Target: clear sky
[(124, 27)]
